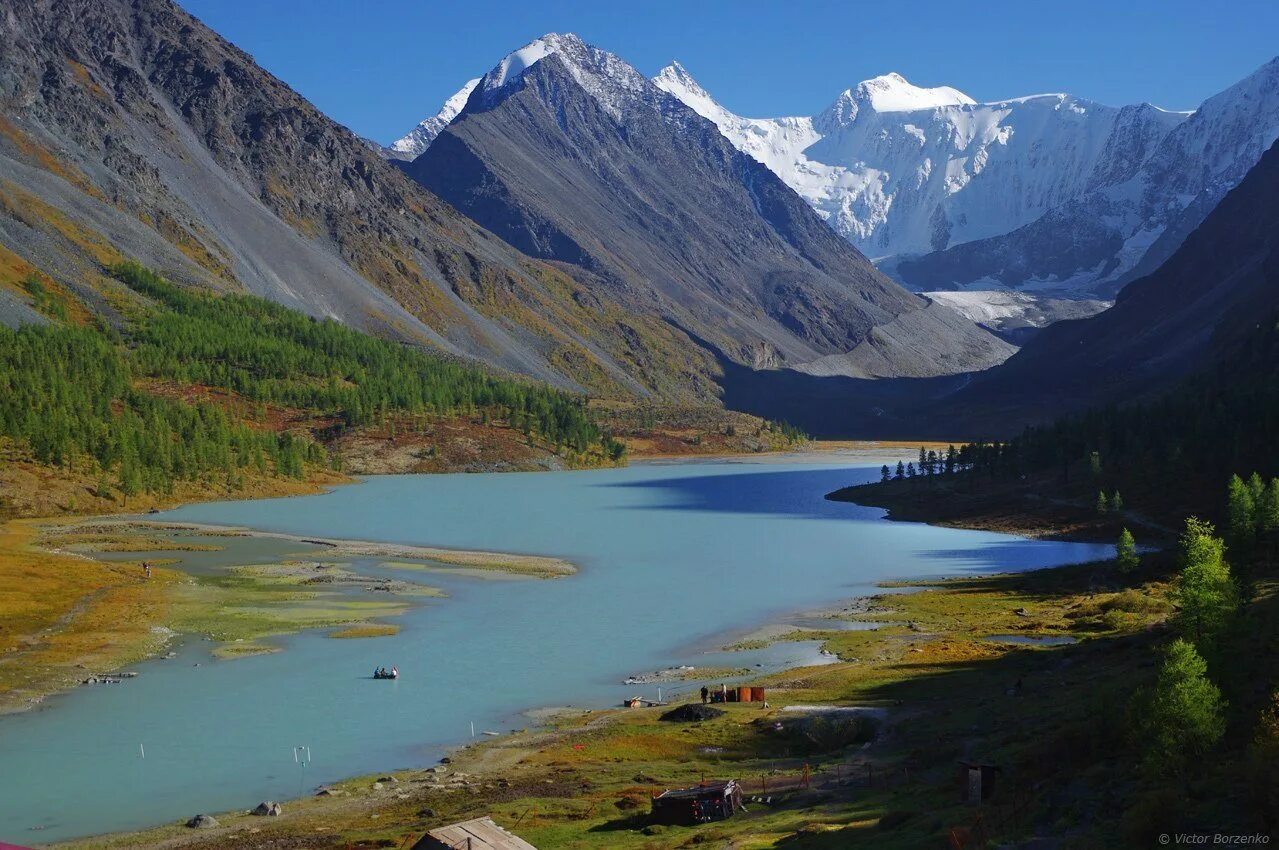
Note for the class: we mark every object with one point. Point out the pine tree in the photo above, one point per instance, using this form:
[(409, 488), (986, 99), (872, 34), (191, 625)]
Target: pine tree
[(901, 471), (1126, 553), (1103, 504), (884, 473), (1117, 503)]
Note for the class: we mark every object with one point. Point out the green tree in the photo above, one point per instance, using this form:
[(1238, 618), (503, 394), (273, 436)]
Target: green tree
[(1256, 488), (1094, 464), (1103, 504), (901, 471), (1206, 592), (1126, 552), (1240, 512), (1117, 502), (884, 473), (1268, 509), (1185, 716)]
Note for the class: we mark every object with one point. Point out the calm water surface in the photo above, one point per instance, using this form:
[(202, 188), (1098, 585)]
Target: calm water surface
[(673, 558)]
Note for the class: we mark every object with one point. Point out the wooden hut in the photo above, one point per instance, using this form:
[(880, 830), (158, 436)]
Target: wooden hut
[(977, 781), (477, 834), (699, 804)]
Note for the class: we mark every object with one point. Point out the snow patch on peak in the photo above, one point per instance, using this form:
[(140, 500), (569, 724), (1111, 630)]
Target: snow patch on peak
[(517, 62), (613, 83), (417, 140), (675, 80), (894, 93), (454, 104)]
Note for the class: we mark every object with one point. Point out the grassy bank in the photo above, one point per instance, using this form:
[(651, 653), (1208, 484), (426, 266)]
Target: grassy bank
[(64, 617)]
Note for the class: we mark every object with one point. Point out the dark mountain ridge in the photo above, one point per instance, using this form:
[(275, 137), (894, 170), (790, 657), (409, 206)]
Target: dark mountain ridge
[(1190, 314), (128, 130), (576, 158)]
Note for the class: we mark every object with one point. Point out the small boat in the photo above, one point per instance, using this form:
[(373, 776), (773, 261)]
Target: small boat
[(394, 674)]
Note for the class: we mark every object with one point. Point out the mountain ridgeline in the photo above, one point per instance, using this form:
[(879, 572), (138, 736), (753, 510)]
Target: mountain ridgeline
[(129, 130), (572, 156), (1048, 192)]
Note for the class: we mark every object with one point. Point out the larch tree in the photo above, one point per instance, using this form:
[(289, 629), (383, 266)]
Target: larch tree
[(1206, 592), (1126, 552), (1185, 716), (1240, 512)]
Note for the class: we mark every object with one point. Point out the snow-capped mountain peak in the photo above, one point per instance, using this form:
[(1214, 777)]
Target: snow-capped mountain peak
[(894, 93), (675, 80), (886, 94), (604, 76), (515, 63), (904, 171), (411, 145)]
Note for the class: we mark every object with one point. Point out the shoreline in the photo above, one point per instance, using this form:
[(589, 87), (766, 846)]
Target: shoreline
[(468, 559), (481, 766)]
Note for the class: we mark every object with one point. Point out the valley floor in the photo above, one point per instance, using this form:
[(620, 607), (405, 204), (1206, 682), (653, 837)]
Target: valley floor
[(1031, 672), (940, 673)]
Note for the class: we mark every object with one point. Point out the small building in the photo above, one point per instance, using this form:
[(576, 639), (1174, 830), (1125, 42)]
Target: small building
[(477, 834), (699, 804), (977, 781)]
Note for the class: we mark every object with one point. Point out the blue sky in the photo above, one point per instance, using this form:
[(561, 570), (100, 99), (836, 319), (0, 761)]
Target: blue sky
[(379, 68)]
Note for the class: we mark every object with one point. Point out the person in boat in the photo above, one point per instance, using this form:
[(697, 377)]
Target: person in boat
[(395, 672)]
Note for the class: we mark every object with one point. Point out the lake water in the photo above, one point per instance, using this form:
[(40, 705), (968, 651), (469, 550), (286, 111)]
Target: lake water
[(674, 558)]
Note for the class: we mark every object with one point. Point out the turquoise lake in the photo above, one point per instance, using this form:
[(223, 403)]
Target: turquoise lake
[(675, 560)]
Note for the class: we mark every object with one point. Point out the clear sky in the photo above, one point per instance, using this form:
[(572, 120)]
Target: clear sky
[(381, 67)]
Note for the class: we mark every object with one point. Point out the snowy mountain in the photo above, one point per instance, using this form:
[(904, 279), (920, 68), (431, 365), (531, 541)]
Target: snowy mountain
[(410, 146), (572, 155), (902, 170), (1047, 192), (1138, 207)]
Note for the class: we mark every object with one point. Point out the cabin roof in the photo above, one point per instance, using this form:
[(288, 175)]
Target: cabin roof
[(703, 790), (476, 834)]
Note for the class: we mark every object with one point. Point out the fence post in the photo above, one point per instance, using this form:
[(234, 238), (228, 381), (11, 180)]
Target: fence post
[(805, 774), (763, 784)]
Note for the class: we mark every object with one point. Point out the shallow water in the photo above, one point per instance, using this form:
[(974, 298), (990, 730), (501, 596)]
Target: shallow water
[(675, 559)]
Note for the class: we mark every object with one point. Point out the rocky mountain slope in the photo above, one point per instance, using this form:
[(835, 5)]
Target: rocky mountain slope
[(572, 156), (1220, 286), (130, 130), (1049, 192)]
